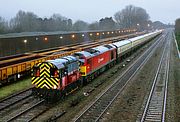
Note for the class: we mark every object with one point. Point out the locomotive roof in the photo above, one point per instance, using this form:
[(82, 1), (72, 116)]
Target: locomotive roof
[(70, 58), (61, 62), (85, 53), (93, 51), (101, 49)]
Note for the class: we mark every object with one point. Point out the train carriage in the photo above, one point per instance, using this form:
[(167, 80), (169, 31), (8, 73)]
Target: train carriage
[(140, 40), (122, 47)]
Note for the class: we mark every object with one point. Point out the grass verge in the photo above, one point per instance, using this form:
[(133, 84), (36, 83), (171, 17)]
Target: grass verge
[(178, 39), (15, 87)]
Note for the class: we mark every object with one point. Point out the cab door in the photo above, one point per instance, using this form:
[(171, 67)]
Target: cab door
[(61, 74), (63, 78)]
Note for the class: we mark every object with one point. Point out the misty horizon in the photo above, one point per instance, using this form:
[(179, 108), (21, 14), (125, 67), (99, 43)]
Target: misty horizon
[(90, 11)]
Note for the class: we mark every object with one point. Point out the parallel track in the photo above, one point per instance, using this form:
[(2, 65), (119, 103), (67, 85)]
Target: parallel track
[(22, 107), (15, 98), (95, 111), (26, 113), (31, 112), (156, 103)]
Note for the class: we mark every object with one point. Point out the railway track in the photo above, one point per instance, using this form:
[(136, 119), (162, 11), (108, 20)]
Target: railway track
[(31, 112), (27, 111), (155, 106), (15, 98), (23, 106), (96, 110)]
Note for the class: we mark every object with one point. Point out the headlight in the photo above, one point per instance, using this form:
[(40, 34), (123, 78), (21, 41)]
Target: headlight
[(55, 87)]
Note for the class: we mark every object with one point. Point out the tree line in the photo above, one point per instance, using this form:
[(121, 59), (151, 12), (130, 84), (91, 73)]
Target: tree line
[(129, 17), (177, 25)]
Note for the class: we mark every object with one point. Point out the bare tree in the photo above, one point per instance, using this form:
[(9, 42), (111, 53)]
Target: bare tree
[(58, 22), (28, 21), (3, 25), (106, 23), (24, 21), (80, 25), (131, 16), (69, 25), (93, 26)]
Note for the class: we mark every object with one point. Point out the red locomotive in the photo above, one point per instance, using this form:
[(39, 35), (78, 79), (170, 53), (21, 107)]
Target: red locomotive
[(95, 60)]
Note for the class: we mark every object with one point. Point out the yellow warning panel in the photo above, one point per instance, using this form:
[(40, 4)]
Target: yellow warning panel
[(83, 70)]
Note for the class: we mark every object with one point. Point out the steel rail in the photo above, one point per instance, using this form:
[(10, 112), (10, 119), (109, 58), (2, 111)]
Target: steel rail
[(26, 110), (4, 102), (146, 109)]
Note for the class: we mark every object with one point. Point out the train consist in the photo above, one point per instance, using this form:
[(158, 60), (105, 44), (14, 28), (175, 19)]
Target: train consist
[(56, 78), (14, 67)]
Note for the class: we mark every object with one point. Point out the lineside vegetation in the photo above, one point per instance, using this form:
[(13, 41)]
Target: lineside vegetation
[(178, 39), (177, 31), (15, 87)]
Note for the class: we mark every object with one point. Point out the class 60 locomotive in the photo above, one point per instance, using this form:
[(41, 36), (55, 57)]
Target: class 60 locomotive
[(54, 79)]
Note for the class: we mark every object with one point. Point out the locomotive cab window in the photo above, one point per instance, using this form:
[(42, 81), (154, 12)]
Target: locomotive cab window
[(36, 72), (81, 63), (54, 72), (61, 73)]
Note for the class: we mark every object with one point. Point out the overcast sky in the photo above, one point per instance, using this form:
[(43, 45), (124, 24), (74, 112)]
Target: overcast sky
[(91, 10)]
